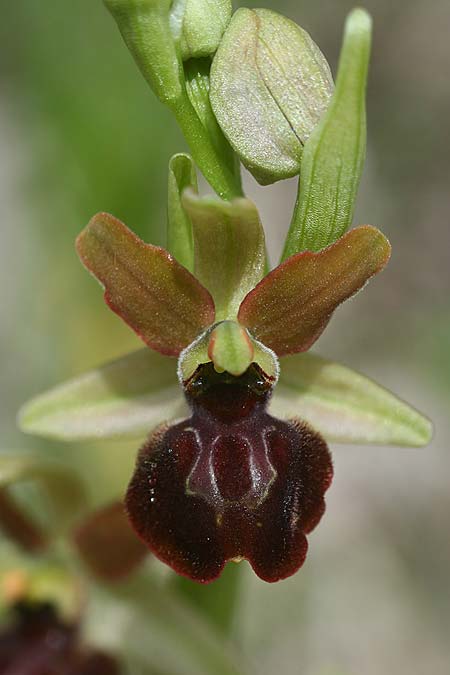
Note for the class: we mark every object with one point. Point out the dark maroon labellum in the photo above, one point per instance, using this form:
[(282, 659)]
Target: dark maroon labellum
[(230, 482)]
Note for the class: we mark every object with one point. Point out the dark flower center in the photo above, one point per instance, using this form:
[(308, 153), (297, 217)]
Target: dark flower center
[(227, 398)]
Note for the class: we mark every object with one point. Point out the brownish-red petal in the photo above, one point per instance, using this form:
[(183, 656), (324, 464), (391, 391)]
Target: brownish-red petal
[(290, 307), (17, 525), (155, 295), (107, 543)]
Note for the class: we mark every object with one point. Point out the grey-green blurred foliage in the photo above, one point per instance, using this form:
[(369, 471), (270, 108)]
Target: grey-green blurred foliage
[(80, 132)]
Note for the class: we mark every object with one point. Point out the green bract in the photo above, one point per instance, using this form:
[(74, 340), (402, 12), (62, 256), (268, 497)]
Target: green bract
[(198, 25), (333, 157), (270, 84)]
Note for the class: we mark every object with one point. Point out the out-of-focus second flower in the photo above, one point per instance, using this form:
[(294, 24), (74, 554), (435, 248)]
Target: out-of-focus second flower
[(37, 642), (40, 626)]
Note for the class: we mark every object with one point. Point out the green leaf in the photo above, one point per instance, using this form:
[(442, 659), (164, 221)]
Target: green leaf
[(145, 28), (62, 488), (333, 157), (180, 243), (230, 348), (198, 25), (157, 297), (270, 84), (229, 249), (345, 406), (291, 306), (122, 399)]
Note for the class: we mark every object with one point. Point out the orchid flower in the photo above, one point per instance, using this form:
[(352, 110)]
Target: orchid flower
[(236, 411)]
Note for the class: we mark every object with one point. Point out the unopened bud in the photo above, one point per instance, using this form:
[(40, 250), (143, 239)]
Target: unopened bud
[(145, 27), (198, 25), (270, 85)]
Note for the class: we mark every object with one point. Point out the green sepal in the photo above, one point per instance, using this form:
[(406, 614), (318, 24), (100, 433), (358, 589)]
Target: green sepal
[(198, 25), (333, 157), (64, 494), (180, 242), (229, 249), (345, 406), (145, 28), (122, 399), (270, 84)]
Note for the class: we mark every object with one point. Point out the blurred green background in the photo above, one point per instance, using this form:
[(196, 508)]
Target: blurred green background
[(80, 132)]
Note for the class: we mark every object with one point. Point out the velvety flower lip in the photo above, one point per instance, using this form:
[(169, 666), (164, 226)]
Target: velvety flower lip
[(230, 482)]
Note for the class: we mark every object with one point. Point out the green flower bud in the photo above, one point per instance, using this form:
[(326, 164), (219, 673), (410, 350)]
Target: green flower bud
[(198, 25), (270, 85), (144, 25)]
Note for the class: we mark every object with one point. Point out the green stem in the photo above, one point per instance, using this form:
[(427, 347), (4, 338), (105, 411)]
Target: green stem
[(217, 601), (225, 183)]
